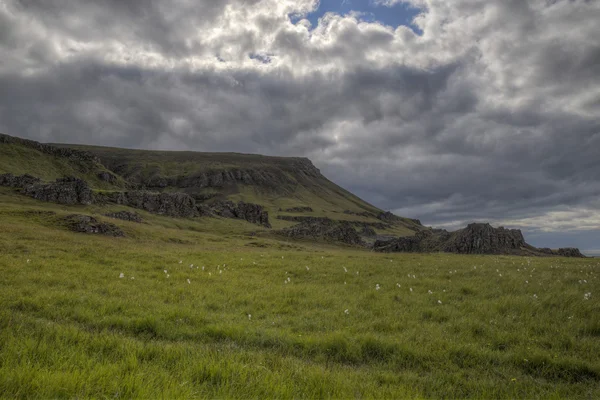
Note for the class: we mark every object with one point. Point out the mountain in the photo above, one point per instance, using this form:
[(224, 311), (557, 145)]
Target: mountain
[(286, 197)]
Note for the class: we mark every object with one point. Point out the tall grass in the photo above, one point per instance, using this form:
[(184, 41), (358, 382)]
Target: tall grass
[(254, 321)]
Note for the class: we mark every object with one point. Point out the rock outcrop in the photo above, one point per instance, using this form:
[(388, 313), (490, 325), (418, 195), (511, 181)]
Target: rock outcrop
[(569, 252), (66, 190), (86, 224), (484, 239), (125, 216), (324, 229), (17, 181), (474, 239), (170, 204), (253, 213)]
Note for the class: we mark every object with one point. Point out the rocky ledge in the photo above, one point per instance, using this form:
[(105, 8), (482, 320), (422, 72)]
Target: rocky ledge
[(73, 191), (253, 213), (476, 238)]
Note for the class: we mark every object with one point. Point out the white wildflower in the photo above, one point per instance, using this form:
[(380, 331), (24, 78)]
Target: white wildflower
[(165, 271), (188, 281), (122, 275), (439, 302), (587, 296), (411, 289), (346, 312), (377, 287), (345, 269), (308, 269), (180, 261), (430, 292), (249, 316)]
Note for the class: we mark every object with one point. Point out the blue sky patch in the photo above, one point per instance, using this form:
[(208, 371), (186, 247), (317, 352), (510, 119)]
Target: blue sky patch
[(399, 14)]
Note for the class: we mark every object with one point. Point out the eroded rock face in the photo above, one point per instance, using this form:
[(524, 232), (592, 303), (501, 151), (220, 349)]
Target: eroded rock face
[(474, 239), (86, 224), (17, 181), (170, 204), (67, 190), (485, 239), (125, 216), (326, 229), (253, 213), (569, 252)]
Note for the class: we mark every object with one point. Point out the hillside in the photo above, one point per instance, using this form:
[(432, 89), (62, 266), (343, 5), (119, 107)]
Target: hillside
[(286, 198), (276, 183)]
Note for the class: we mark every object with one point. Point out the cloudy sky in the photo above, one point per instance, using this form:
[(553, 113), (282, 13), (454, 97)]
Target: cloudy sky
[(450, 111)]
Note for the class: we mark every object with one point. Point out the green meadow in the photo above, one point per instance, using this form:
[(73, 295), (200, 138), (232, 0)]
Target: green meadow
[(207, 308)]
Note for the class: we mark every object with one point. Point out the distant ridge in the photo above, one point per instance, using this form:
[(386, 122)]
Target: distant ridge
[(255, 188)]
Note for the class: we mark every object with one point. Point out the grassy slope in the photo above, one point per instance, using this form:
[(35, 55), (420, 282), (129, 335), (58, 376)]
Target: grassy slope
[(325, 197), (19, 160), (70, 327)]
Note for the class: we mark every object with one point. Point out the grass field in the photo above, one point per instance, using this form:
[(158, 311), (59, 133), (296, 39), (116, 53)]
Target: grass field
[(205, 310)]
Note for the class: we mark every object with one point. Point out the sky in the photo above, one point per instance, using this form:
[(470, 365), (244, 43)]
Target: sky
[(447, 111)]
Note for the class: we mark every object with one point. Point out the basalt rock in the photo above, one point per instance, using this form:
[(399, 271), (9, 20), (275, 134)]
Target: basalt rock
[(569, 252), (474, 239), (253, 213), (325, 229), (87, 224), (484, 239), (125, 216), (170, 204), (17, 181), (66, 190)]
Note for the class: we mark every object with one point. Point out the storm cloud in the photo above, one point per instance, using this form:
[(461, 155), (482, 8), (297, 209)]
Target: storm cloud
[(483, 110)]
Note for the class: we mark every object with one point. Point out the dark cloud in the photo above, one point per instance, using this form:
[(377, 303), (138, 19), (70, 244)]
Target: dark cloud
[(493, 113)]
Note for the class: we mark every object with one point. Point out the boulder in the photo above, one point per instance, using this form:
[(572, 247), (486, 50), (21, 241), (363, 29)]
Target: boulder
[(86, 224)]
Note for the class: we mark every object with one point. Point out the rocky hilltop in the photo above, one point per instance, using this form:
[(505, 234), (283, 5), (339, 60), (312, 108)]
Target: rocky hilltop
[(476, 238)]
